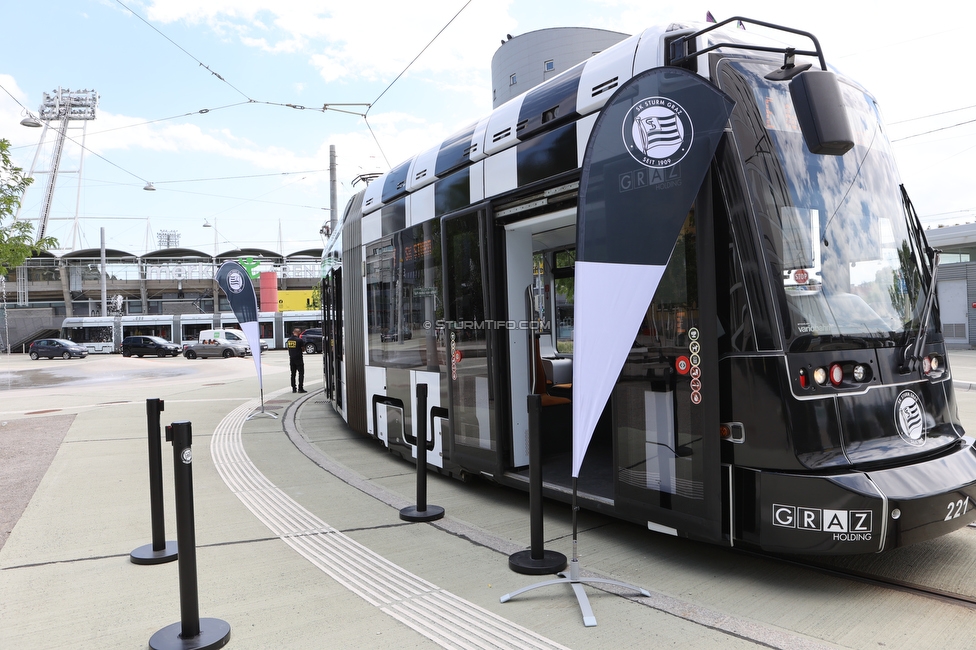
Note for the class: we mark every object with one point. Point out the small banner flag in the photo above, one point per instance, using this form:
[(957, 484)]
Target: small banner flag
[(236, 284)]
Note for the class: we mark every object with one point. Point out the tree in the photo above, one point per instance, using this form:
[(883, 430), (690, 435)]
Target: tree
[(16, 238)]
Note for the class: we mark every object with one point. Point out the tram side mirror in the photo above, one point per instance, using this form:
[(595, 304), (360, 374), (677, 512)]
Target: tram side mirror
[(820, 111)]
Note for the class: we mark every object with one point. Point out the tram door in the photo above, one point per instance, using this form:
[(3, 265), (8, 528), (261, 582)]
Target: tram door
[(332, 337), (328, 337), (665, 405), (468, 342)]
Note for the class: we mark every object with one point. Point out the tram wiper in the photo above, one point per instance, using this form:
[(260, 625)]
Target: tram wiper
[(911, 361)]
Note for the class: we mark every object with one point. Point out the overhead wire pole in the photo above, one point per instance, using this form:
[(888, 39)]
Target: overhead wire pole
[(333, 185)]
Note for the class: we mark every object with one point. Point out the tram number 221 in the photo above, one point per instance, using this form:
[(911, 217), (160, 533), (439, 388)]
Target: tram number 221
[(957, 508)]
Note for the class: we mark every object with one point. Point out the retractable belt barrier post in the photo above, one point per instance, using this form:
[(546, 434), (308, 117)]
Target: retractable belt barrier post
[(192, 632), (421, 512), (160, 550), (537, 560)]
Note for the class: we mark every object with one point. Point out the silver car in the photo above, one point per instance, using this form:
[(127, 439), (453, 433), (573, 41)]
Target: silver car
[(215, 348)]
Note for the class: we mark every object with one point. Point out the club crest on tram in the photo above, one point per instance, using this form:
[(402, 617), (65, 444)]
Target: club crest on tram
[(909, 418)]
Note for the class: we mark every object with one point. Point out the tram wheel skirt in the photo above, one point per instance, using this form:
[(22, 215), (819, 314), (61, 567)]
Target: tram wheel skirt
[(857, 512)]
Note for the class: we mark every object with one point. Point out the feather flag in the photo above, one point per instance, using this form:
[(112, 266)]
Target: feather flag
[(237, 286), (645, 161)]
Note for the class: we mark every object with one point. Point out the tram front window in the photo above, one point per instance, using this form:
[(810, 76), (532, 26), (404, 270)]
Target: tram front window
[(834, 227)]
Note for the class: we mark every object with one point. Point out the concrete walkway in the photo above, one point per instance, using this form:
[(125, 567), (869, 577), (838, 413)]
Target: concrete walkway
[(299, 544)]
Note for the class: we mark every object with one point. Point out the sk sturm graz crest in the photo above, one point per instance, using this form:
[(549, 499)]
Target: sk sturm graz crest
[(909, 418), (658, 132), (235, 281)]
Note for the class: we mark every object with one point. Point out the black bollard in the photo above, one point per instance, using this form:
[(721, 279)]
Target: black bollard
[(160, 550), (192, 632), (422, 511), (537, 560)]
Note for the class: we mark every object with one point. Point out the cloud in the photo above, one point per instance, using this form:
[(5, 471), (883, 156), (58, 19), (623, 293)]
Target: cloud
[(343, 42)]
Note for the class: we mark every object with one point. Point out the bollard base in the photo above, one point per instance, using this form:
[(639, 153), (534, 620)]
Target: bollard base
[(146, 554), (523, 562), (214, 633), (432, 513)]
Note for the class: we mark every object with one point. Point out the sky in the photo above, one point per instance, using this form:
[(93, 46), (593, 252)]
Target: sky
[(219, 103)]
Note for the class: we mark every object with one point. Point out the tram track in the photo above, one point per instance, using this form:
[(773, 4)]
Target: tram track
[(864, 577)]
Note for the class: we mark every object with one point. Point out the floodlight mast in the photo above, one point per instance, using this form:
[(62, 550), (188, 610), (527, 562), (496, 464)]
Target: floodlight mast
[(63, 106)]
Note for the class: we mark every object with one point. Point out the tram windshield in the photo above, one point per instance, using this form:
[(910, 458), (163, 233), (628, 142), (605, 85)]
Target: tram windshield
[(835, 228)]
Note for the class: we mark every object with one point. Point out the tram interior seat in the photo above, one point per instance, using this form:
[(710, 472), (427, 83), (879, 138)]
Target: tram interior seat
[(558, 369), (552, 394)]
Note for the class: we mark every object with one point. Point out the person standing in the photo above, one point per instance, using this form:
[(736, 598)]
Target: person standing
[(296, 360)]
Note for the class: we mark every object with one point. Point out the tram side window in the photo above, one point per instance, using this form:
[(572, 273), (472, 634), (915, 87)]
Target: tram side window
[(736, 332), (659, 448), (564, 284), (472, 408), (89, 334), (403, 296)]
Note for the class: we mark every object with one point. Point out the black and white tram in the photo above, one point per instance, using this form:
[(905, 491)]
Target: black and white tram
[(695, 248)]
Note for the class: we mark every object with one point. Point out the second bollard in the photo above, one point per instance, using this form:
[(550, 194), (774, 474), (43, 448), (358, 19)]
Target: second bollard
[(192, 632), (160, 550)]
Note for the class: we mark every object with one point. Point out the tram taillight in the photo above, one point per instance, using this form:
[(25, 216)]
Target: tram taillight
[(836, 374), (932, 363), (820, 376), (839, 374)]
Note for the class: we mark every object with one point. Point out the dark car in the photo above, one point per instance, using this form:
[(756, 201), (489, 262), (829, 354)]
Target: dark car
[(152, 345), (51, 348), (392, 335), (312, 340)]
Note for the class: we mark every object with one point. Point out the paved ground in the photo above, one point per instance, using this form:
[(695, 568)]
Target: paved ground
[(299, 544)]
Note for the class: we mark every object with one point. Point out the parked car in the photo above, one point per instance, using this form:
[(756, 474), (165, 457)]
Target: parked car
[(392, 335), (153, 345), (216, 348), (312, 340), (51, 348)]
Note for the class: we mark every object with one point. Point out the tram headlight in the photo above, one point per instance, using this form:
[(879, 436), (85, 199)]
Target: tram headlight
[(820, 376), (860, 373), (836, 374)]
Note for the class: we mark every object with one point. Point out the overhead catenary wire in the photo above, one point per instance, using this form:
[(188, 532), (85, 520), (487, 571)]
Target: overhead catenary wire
[(182, 49), (925, 117), (943, 128), (327, 106), (402, 72)]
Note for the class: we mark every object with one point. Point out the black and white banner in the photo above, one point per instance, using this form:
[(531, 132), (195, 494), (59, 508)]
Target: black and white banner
[(645, 161), (237, 286)]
